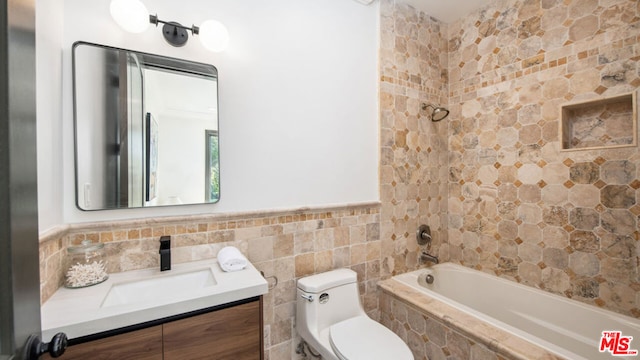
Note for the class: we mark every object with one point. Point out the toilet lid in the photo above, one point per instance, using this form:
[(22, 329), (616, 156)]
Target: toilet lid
[(362, 338)]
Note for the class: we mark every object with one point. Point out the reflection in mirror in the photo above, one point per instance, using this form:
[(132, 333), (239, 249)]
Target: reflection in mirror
[(146, 129)]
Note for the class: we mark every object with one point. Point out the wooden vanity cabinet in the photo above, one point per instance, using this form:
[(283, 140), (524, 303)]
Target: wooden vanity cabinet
[(233, 332)]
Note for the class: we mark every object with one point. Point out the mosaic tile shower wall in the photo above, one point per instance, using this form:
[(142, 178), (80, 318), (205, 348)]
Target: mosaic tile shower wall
[(562, 221), (413, 153)]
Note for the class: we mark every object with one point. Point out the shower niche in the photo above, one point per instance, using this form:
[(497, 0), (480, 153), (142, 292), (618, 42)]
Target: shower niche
[(600, 124)]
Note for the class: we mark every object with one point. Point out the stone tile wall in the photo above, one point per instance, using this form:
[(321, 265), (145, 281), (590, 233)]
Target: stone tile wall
[(435, 331), (565, 222), (428, 337), (515, 204), (413, 153), (285, 244)]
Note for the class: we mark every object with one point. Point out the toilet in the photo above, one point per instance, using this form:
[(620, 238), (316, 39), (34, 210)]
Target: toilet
[(330, 318)]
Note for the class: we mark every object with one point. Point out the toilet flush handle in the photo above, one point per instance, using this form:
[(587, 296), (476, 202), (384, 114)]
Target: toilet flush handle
[(307, 297)]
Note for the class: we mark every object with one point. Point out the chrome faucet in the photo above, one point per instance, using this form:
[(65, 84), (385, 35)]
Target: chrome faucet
[(424, 256), (423, 236)]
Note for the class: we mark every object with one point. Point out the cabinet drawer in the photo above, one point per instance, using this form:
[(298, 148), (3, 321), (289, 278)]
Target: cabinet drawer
[(145, 344), (231, 333)]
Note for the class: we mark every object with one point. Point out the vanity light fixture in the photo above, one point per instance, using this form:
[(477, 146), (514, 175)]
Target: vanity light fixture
[(133, 17), (174, 32)]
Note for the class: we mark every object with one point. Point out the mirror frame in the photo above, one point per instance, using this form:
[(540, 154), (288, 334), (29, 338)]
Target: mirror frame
[(170, 64)]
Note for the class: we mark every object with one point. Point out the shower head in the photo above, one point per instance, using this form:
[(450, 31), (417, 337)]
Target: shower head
[(438, 112)]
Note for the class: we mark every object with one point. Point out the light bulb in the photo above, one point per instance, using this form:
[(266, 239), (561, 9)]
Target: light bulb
[(131, 15), (213, 35)]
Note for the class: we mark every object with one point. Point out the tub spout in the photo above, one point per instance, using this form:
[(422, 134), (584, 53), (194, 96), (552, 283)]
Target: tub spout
[(428, 257)]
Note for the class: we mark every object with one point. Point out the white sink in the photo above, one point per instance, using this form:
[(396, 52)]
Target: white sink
[(164, 286), (138, 296)]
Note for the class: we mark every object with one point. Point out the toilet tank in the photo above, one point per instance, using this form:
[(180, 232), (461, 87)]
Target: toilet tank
[(334, 297)]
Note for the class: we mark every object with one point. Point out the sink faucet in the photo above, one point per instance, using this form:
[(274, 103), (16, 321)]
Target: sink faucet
[(428, 257), (165, 253)]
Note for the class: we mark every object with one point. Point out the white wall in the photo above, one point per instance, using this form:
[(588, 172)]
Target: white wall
[(49, 18), (298, 100)]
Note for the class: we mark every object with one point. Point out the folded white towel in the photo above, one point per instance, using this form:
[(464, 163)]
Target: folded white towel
[(231, 259)]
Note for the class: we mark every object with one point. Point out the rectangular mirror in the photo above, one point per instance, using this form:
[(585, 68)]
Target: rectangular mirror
[(146, 129)]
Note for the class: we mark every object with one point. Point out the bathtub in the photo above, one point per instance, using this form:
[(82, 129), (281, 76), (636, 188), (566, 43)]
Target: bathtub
[(559, 326)]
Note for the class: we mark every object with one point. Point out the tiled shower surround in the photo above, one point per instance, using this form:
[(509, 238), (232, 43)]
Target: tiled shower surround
[(491, 179), (517, 206), (565, 222)]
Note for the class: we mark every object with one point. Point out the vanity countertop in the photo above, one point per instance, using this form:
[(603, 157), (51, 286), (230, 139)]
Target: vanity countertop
[(91, 310)]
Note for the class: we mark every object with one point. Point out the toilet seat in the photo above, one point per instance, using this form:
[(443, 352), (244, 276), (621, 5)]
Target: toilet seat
[(362, 338)]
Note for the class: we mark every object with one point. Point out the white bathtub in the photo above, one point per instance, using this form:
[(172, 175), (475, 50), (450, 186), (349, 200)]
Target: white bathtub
[(560, 325)]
